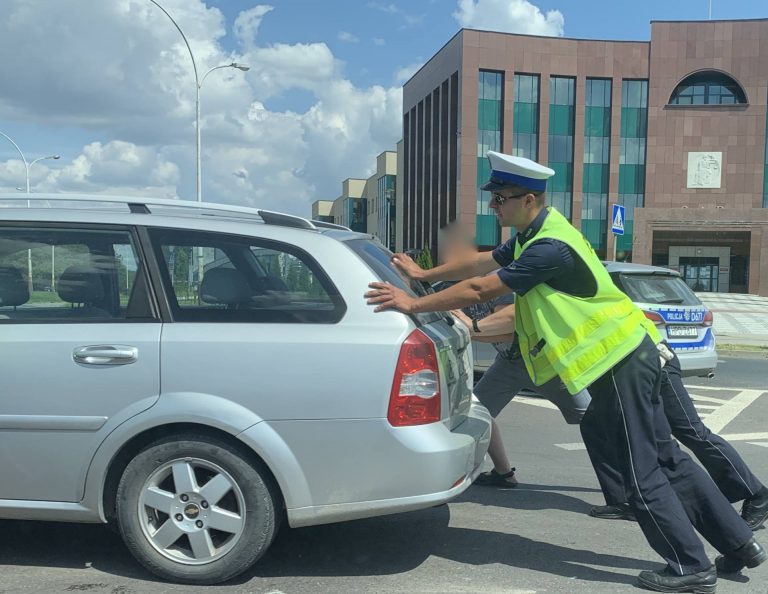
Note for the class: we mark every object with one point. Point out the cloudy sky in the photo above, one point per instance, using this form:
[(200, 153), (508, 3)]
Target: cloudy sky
[(109, 86)]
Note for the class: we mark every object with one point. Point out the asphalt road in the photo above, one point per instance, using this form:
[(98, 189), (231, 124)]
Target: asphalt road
[(536, 538)]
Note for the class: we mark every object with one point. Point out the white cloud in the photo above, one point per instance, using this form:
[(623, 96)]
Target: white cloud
[(379, 41), (509, 16), (248, 22), (403, 73), (348, 37), (119, 74)]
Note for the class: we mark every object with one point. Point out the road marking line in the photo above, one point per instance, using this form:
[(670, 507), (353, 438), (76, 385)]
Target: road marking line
[(540, 402), (759, 443), (744, 436), (731, 409), (697, 397), (692, 387), (572, 447)]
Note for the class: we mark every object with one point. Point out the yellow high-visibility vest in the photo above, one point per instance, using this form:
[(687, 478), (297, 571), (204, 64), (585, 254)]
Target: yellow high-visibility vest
[(578, 339)]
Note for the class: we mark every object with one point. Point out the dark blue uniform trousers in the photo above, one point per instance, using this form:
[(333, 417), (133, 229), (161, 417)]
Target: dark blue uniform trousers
[(625, 430), (729, 471)]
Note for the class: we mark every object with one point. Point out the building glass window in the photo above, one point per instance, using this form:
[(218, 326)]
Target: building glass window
[(708, 88), (525, 119), (562, 96), (385, 200), (634, 124), (354, 214), (597, 146), (490, 104)]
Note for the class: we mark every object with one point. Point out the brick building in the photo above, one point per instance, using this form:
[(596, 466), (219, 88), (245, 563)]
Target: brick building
[(673, 128)]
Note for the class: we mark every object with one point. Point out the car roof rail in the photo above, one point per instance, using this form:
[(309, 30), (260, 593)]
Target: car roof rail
[(327, 225), (138, 205), (285, 220)]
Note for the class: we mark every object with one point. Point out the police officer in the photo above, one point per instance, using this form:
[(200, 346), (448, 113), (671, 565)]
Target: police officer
[(720, 459), (574, 323)]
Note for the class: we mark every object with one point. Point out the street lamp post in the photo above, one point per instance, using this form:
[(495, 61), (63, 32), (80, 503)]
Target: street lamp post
[(26, 172), (198, 85)]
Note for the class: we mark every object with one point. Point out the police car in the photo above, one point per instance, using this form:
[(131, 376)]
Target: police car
[(681, 318)]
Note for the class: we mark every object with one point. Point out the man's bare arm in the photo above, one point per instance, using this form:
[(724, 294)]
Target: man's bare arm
[(468, 292), (497, 327), (464, 267)]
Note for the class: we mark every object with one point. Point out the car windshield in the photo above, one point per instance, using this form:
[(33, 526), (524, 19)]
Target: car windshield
[(377, 257), (658, 289)]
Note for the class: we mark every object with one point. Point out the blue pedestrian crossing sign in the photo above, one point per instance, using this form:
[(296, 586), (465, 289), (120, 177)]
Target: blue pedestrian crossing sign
[(617, 218)]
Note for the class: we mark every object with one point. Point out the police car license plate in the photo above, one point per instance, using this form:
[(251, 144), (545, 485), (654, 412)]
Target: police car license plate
[(682, 331)]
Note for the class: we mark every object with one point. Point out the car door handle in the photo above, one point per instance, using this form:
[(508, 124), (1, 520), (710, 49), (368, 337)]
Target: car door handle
[(106, 355)]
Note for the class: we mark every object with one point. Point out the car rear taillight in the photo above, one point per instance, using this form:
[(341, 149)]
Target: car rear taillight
[(415, 396), (708, 318), (654, 317)]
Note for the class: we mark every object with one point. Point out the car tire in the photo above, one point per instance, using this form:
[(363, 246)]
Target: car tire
[(170, 526)]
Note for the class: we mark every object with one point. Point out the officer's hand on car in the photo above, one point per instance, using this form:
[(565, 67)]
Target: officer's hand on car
[(389, 297)]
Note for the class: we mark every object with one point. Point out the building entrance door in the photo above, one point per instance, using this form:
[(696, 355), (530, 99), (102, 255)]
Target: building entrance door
[(701, 274)]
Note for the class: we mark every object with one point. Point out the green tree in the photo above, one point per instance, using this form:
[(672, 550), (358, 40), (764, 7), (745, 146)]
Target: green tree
[(424, 259)]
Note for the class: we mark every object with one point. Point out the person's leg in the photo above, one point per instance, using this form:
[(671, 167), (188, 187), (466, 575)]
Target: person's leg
[(624, 399), (599, 438), (723, 463), (496, 451), (495, 390), (572, 406)]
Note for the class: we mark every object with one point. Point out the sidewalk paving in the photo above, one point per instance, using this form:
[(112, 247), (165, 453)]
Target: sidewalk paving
[(739, 319)]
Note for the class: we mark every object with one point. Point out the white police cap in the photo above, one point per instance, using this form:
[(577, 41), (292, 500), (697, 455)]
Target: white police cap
[(507, 170)]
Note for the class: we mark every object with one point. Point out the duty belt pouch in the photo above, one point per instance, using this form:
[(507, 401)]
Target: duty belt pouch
[(665, 355)]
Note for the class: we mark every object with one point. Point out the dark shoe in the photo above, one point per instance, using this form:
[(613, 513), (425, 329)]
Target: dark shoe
[(704, 582), (755, 510), (750, 555), (496, 479), (622, 511)]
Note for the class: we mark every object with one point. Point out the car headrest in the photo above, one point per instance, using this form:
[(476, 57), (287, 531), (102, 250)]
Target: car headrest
[(225, 286), (13, 287), (270, 283), (80, 284)]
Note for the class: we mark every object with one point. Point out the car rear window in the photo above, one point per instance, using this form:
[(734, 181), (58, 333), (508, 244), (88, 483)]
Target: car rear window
[(378, 258), (658, 289)]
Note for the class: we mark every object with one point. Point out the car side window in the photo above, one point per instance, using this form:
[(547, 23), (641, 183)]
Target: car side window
[(216, 277), (71, 275)]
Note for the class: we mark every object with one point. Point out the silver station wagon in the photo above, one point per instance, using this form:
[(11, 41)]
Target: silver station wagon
[(198, 373)]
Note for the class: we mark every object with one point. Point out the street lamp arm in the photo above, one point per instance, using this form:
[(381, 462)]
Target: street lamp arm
[(41, 158), (9, 139), (184, 37)]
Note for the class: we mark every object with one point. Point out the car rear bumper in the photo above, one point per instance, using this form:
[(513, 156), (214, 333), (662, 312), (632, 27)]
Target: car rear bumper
[(427, 466), (697, 363)]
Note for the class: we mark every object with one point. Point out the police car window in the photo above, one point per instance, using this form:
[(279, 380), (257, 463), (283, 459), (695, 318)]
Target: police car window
[(216, 277), (658, 289)]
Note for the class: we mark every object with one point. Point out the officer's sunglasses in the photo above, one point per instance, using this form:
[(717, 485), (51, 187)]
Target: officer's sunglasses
[(498, 199)]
